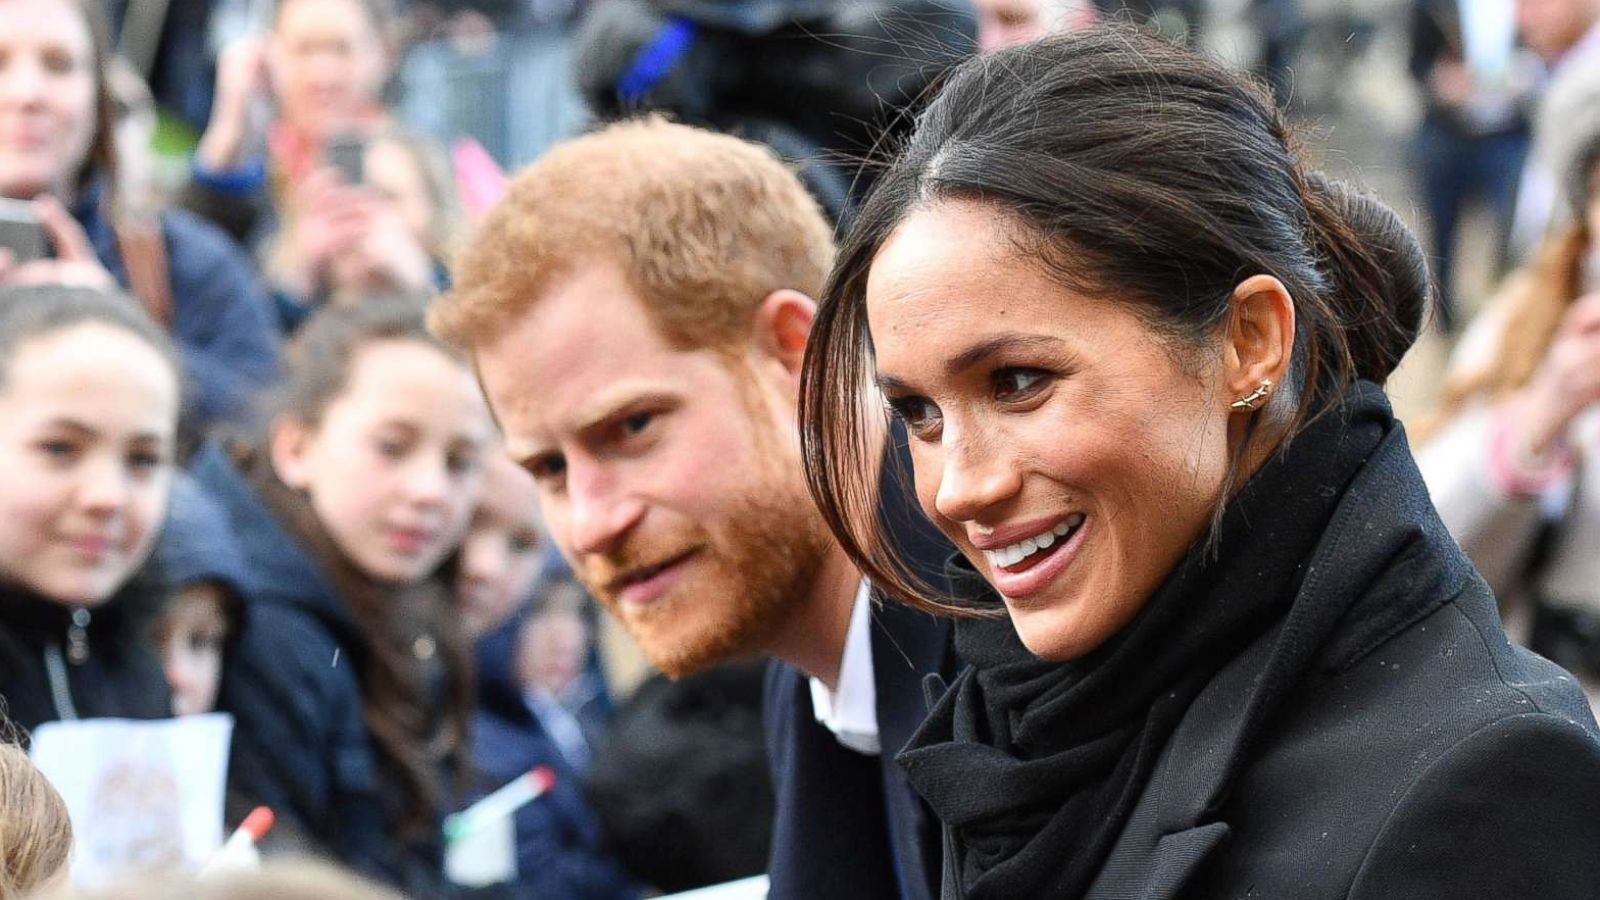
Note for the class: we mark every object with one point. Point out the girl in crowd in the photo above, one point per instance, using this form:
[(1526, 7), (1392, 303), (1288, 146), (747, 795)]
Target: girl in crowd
[(518, 724), (503, 553), (1218, 642), (57, 150), (350, 686), (35, 831), (202, 566), (1513, 457), (377, 223), (88, 412), (393, 236)]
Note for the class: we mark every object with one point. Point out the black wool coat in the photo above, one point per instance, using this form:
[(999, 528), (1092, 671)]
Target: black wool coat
[(1422, 756)]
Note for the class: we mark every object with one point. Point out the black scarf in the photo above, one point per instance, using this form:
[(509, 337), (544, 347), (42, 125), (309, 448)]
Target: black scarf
[(1036, 766)]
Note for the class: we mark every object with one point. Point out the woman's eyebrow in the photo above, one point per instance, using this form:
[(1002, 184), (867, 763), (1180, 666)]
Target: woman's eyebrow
[(992, 346)]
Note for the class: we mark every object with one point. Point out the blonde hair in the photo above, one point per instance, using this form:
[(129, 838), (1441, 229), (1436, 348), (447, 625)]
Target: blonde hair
[(704, 226), (286, 880), (1534, 301), (35, 831)]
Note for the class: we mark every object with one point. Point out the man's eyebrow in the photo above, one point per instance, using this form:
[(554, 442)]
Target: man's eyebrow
[(608, 407)]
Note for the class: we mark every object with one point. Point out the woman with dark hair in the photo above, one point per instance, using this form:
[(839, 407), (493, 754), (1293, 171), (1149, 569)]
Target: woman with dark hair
[(57, 151), (1218, 643), (351, 682)]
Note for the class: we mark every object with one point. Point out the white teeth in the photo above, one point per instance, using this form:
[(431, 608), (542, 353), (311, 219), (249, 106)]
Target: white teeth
[(1010, 556)]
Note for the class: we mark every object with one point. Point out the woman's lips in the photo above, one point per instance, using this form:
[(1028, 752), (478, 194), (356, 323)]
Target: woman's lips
[(411, 541), (1033, 574)]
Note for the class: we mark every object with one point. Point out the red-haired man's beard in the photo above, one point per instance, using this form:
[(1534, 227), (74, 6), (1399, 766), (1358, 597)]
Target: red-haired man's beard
[(741, 577)]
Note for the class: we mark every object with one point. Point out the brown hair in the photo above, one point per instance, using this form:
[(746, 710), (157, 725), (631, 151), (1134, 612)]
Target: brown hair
[(1125, 160), (703, 225), (102, 159), (35, 832), (398, 703)]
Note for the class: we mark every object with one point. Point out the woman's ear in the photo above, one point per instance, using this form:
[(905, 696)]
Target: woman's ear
[(288, 446), (782, 327), (1260, 338)]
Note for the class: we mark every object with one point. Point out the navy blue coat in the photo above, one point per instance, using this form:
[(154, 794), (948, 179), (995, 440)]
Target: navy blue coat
[(222, 319), (300, 744), (559, 839), (848, 826)]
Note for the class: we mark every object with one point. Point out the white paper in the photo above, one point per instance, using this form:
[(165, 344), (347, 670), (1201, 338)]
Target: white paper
[(484, 856), (143, 795), (743, 889)]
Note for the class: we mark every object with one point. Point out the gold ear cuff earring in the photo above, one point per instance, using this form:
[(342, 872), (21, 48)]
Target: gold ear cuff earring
[(1250, 400)]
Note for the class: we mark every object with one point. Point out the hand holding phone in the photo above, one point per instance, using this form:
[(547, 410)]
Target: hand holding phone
[(347, 154), (73, 262), (21, 232)]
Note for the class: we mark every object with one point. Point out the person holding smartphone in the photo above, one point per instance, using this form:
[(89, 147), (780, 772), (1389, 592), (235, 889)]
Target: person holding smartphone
[(301, 162), (57, 156)]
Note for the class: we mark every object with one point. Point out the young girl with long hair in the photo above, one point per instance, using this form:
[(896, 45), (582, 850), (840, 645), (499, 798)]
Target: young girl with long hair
[(350, 686)]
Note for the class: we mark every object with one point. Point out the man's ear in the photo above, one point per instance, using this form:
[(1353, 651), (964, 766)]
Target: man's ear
[(288, 443), (1260, 338), (782, 326)]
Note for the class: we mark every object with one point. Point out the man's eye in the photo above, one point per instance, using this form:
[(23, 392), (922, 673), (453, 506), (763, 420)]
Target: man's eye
[(547, 468)]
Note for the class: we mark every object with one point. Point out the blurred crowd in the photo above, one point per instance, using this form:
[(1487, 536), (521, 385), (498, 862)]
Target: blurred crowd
[(243, 475)]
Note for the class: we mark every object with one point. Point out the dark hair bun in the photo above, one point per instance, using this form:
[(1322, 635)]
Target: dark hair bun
[(1379, 286)]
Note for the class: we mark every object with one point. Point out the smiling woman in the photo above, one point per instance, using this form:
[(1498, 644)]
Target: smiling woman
[(1138, 350)]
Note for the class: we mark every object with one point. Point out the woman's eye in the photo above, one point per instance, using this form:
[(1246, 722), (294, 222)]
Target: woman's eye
[(59, 62), (390, 448), (524, 543), (58, 450), (1018, 384), (919, 415)]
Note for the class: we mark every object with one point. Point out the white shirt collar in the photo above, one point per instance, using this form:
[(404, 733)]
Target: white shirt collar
[(851, 711)]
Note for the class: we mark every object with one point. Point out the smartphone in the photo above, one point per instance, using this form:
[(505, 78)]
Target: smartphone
[(347, 153), (21, 232)]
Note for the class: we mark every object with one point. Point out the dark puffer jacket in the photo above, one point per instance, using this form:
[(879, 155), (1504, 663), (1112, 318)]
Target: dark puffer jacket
[(59, 662)]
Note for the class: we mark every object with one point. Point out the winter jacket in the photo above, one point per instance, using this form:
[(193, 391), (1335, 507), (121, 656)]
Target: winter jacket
[(60, 663), (221, 317), (559, 852), (301, 745)]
